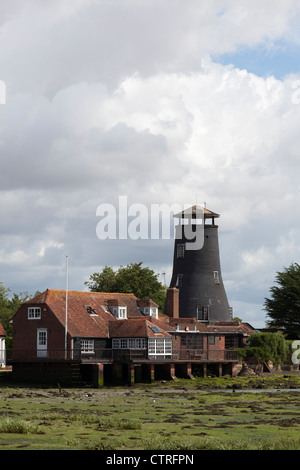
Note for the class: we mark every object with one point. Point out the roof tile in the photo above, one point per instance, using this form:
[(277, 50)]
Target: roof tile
[(96, 323)]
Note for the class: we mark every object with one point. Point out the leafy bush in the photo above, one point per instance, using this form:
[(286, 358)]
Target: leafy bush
[(267, 347)]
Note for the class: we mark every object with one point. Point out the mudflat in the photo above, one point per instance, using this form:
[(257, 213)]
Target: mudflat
[(204, 413)]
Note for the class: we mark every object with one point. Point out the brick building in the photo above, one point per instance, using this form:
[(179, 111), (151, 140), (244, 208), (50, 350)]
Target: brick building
[(113, 337), (109, 338)]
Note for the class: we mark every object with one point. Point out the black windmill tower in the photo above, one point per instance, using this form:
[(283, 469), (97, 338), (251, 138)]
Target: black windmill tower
[(197, 270)]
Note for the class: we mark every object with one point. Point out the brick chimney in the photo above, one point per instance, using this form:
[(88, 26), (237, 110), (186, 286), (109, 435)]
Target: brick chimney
[(172, 303)]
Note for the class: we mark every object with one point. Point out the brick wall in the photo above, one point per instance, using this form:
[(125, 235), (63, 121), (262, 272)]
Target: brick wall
[(25, 330), (172, 303)]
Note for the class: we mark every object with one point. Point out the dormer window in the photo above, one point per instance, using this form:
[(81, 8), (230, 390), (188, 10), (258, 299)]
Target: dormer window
[(117, 309), (154, 312), (151, 311), (148, 308), (120, 312)]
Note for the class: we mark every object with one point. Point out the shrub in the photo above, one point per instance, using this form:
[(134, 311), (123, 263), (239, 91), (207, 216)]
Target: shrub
[(267, 347), (18, 426)]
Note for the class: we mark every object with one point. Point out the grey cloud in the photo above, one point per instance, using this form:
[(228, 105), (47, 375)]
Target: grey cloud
[(112, 98), (49, 46)]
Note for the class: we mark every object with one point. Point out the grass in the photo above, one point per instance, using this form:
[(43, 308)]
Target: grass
[(220, 444), (18, 426), (181, 415), (112, 422)]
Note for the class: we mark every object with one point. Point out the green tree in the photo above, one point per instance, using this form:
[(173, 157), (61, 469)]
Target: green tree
[(5, 313), (104, 281), (131, 279), (8, 307), (267, 347), (237, 319), (283, 306)]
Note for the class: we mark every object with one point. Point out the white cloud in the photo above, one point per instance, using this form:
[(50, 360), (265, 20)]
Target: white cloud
[(109, 98), (13, 258), (51, 45), (49, 244)]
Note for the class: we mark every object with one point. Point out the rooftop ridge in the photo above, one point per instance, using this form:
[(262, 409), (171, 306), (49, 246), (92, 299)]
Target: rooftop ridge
[(43, 296)]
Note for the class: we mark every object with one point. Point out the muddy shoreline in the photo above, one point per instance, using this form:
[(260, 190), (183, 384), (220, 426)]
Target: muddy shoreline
[(284, 382)]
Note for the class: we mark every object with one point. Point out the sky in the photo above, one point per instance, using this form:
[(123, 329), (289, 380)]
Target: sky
[(159, 102)]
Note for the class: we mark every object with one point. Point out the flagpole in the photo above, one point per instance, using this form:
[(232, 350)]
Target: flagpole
[(66, 321)]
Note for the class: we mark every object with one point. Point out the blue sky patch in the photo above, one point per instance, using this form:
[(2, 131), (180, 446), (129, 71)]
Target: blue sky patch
[(280, 60)]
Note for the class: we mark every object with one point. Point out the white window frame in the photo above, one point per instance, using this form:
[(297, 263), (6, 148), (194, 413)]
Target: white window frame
[(87, 346), (150, 312), (129, 343), (2, 352), (158, 347), (120, 312), (34, 313), (154, 312), (42, 342), (42, 337)]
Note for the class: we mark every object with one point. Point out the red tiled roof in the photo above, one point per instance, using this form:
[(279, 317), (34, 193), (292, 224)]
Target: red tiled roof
[(217, 327), (191, 323), (146, 303), (138, 327), (162, 322), (84, 324), (80, 321), (229, 327)]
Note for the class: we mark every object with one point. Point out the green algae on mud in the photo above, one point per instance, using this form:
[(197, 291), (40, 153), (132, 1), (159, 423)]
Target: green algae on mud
[(175, 415)]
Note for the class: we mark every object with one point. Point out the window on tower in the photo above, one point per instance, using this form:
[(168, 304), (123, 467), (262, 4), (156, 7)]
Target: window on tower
[(179, 280), (180, 250), (216, 277), (203, 313)]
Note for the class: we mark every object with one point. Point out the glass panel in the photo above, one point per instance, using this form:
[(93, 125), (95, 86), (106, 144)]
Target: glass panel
[(34, 312)]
